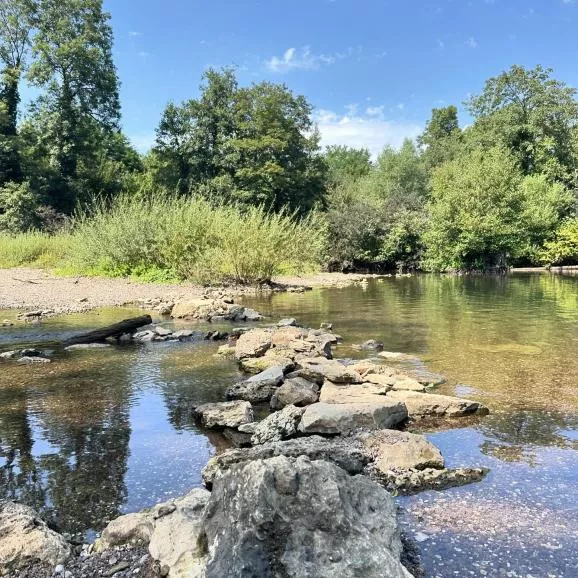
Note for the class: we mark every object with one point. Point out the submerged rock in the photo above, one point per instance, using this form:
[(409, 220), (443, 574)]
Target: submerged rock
[(26, 539), (278, 426), (83, 346), (328, 418), (226, 414), (423, 405), (300, 518)]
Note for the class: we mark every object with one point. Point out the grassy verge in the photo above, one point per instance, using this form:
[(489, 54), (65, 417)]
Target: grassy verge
[(168, 239)]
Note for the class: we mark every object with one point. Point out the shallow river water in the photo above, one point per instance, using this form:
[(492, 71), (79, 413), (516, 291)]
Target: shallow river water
[(98, 433)]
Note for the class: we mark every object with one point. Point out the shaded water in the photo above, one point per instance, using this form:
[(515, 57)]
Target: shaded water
[(102, 432)]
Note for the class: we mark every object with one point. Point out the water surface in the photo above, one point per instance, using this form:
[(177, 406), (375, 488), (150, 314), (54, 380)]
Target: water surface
[(98, 433)]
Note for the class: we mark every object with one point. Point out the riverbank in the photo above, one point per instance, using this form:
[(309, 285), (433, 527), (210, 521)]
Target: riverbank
[(26, 288)]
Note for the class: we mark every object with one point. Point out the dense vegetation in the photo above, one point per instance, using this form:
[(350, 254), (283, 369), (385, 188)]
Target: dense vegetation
[(237, 186)]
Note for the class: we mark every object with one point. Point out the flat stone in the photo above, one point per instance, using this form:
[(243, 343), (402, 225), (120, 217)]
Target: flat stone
[(352, 393), (291, 321), (183, 334), (259, 364), (423, 405), (397, 356), (258, 388), (226, 414), (329, 418), (253, 343), (9, 354), (399, 450), (319, 367), (26, 360), (82, 346), (284, 335), (162, 331), (297, 391)]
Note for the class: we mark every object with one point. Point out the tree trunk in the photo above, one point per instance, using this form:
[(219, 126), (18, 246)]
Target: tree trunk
[(126, 326)]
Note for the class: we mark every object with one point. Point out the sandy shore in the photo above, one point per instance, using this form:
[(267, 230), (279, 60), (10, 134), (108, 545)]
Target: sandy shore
[(38, 289)]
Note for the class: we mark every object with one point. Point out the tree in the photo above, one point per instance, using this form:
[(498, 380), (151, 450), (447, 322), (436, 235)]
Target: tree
[(442, 138), (16, 18), (533, 116), (347, 163), (253, 145), (72, 52)]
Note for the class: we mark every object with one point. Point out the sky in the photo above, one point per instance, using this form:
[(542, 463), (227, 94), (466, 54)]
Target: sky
[(372, 69)]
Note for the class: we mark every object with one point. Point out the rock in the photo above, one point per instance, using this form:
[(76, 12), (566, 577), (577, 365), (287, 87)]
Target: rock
[(371, 345), (425, 377), (299, 518), (284, 335), (226, 350), (248, 428), (327, 326), (259, 388), (27, 360), (161, 331), (172, 531), (183, 334), (253, 344), (29, 314), (397, 356), (30, 352), (278, 426), (411, 481), (312, 377), (198, 308), (83, 346), (347, 454), (237, 437), (401, 383), (383, 381), (9, 354), (423, 405), (6, 323), (26, 539), (289, 322), (297, 391), (399, 450), (352, 393), (144, 336), (259, 364), (250, 315), (226, 414), (318, 367), (328, 418)]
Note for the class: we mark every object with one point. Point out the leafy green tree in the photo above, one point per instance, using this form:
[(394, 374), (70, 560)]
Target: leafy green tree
[(72, 51), (533, 116), (253, 145), (347, 163), (563, 249), (19, 208), (442, 138), (15, 29)]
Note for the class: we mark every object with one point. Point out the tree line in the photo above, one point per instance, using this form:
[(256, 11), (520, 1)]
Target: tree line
[(498, 192)]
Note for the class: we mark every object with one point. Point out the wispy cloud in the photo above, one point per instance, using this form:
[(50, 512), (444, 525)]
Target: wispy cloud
[(134, 33), (371, 130), (471, 42), (302, 59), (143, 54)]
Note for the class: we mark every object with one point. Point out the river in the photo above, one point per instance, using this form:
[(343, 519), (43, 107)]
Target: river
[(98, 433)]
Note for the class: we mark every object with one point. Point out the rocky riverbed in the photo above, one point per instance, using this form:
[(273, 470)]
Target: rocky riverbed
[(306, 492)]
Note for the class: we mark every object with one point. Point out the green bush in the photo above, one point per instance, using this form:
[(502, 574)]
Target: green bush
[(18, 208), (563, 250), (33, 249), (188, 238)]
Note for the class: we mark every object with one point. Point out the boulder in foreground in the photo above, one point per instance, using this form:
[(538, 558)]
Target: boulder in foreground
[(225, 414)]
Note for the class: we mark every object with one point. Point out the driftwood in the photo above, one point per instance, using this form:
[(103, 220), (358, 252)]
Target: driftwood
[(126, 326)]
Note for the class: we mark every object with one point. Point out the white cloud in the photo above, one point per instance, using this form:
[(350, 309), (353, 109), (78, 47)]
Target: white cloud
[(143, 54), (134, 33), (472, 42), (370, 130), (302, 59), (441, 44)]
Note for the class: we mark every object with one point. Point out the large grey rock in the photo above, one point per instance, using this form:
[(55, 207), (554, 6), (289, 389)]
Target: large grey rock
[(26, 539), (297, 391), (353, 393), (318, 367), (278, 426), (258, 388), (347, 454), (272, 358), (298, 518), (328, 418), (253, 343), (172, 530), (424, 405), (394, 450), (226, 414)]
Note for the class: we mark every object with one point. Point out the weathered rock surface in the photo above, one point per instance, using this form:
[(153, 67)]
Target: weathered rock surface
[(226, 414), (29, 360), (354, 393), (278, 426), (259, 364), (26, 539), (213, 309), (172, 530), (349, 455), (259, 388), (328, 418), (253, 343), (398, 450), (423, 405), (297, 391), (83, 346), (299, 518), (397, 356), (316, 368)]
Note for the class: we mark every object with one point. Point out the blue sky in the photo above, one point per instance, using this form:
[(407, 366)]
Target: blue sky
[(373, 69)]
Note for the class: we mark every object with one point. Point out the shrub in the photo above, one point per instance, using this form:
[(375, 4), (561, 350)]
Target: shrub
[(18, 208), (563, 250), (33, 249)]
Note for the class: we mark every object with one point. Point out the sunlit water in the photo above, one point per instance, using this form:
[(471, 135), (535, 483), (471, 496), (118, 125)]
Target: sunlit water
[(98, 433)]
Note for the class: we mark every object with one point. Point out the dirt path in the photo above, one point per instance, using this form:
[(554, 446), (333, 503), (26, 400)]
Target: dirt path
[(38, 289)]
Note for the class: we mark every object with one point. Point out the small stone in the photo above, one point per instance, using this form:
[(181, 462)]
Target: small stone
[(9, 355), (32, 360), (326, 326), (122, 565), (289, 322), (59, 569), (162, 331)]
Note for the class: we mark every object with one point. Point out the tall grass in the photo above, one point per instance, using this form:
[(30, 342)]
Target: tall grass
[(34, 250), (188, 238)]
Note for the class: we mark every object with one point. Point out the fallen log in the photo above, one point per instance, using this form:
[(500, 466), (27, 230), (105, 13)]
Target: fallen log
[(126, 326)]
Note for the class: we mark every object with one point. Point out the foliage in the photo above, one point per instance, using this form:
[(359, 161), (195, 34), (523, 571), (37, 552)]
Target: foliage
[(442, 138), (18, 208), (346, 163), (533, 116), (33, 249), (563, 249), (254, 146), (188, 238)]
